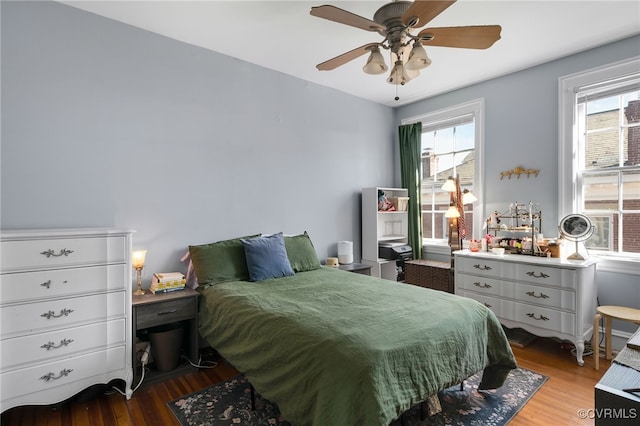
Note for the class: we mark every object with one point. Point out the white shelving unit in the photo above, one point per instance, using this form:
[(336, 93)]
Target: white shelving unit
[(380, 227)]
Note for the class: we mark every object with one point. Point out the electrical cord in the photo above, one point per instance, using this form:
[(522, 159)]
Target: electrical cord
[(144, 360), (213, 364)]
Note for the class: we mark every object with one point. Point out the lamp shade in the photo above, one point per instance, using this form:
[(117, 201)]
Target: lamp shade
[(449, 185), (418, 58), (375, 63), (452, 212), (468, 197), (137, 258), (398, 74)]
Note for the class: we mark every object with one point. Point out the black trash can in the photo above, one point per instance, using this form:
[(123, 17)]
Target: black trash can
[(166, 345)]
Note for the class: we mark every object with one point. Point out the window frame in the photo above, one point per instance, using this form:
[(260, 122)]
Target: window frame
[(569, 179), (476, 108)]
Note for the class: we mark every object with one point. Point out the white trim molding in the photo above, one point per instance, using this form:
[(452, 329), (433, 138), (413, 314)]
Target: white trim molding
[(475, 107), (568, 161)]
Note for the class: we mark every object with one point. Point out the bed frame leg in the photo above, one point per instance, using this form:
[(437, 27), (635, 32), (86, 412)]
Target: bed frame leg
[(253, 398), (462, 385)]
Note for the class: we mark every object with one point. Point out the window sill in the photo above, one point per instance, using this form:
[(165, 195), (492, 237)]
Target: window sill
[(618, 264)]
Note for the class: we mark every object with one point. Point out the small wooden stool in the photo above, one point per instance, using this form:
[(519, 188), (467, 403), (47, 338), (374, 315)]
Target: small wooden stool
[(609, 313)]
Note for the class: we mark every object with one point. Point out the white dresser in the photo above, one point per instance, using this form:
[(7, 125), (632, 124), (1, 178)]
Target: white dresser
[(548, 297), (65, 306)]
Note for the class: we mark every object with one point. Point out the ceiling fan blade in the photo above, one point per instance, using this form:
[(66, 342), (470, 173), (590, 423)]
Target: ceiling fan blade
[(472, 37), (425, 11), (344, 58), (341, 16)]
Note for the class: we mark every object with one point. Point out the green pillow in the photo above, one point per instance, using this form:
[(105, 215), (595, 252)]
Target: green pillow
[(302, 255), (220, 262)]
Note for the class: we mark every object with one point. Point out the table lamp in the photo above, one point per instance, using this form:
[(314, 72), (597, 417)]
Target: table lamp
[(137, 260)]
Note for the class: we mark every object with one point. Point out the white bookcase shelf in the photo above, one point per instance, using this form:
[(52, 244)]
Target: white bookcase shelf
[(382, 226)]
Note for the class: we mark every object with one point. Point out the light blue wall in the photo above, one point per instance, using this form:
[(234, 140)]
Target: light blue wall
[(521, 129), (104, 124)]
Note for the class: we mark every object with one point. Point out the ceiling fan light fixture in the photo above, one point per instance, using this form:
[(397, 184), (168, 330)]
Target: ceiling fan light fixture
[(418, 58), (375, 63), (398, 74)]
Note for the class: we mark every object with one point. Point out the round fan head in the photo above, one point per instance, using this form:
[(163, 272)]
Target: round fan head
[(391, 12)]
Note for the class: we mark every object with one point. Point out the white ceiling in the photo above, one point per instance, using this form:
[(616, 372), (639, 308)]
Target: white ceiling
[(283, 36)]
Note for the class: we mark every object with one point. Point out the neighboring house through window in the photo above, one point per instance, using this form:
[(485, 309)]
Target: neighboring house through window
[(451, 146), (599, 166)]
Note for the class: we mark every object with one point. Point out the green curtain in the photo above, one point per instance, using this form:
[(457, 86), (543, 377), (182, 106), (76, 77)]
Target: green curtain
[(410, 169)]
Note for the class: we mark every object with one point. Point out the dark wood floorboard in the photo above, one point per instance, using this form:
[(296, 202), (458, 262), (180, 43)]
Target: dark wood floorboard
[(569, 389)]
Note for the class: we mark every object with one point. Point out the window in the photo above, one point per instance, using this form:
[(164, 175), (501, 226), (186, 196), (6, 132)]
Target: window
[(451, 141), (600, 155)]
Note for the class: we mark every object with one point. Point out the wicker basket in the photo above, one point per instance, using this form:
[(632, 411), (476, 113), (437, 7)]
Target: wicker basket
[(429, 274)]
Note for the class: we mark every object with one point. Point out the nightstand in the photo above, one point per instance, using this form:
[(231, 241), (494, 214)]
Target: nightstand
[(358, 268), (152, 310)]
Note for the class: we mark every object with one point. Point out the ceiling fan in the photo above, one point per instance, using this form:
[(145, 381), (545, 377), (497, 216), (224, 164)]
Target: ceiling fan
[(394, 21)]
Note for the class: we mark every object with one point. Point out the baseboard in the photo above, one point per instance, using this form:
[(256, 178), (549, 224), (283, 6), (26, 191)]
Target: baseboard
[(619, 338)]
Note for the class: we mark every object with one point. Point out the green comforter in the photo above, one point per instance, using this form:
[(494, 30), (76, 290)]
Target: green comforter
[(337, 348)]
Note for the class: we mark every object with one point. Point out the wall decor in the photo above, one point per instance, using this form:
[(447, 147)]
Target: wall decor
[(519, 171)]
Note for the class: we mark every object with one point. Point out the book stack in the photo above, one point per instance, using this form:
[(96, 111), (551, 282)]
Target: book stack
[(167, 282)]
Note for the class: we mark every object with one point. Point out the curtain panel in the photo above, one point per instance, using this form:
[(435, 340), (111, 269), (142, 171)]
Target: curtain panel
[(410, 170)]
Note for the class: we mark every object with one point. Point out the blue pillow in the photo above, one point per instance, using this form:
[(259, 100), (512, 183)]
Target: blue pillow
[(267, 257)]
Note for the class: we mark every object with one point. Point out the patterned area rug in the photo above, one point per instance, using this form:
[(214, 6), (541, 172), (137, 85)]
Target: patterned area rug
[(229, 403)]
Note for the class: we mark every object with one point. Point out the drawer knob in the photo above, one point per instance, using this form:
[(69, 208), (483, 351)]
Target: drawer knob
[(52, 376), (538, 318), (63, 252), (540, 275), (533, 294), (173, 311), (51, 345), (483, 267), (63, 312), (483, 285)]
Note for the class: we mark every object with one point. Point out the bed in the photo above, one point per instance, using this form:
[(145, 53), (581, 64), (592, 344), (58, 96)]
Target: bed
[(331, 347)]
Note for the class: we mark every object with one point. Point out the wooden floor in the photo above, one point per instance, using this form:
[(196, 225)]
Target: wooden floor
[(570, 388)]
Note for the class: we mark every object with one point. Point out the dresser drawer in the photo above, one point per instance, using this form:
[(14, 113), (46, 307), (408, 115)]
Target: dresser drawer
[(29, 286), (550, 319), (503, 309), (62, 372), (62, 343), (486, 286), (486, 267), (152, 314), (543, 275), (57, 314), (23, 255), (546, 296)]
